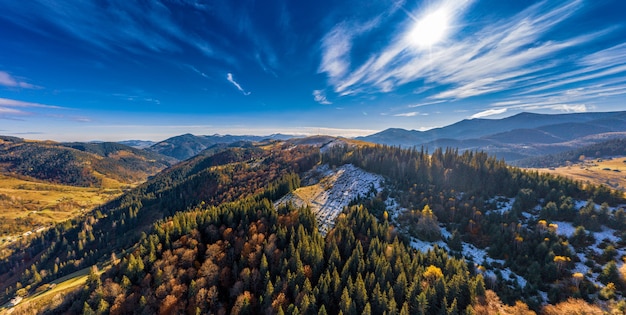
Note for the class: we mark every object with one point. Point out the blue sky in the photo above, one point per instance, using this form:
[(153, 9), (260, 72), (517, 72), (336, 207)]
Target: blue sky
[(113, 70)]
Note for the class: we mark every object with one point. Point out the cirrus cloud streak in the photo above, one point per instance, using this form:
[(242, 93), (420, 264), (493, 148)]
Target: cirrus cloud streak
[(512, 55)]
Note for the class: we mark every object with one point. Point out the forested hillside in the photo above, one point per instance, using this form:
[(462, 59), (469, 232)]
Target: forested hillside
[(204, 236), (79, 164), (186, 146)]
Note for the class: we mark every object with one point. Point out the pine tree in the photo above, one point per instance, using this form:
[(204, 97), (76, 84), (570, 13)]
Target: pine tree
[(610, 273), (346, 305), (405, 309), (87, 310)]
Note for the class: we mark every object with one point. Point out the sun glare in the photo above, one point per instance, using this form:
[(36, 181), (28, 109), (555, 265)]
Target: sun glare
[(431, 29)]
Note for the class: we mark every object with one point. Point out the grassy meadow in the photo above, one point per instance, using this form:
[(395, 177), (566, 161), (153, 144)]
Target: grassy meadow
[(610, 172), (28, 206)]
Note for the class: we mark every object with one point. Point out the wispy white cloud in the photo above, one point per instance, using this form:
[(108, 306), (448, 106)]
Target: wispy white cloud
[(320, 97), (140, 96), (119, 26), (11, 111), (509, 54), (336, 46), (409, 114), (194, 69), (11, 108), (83, 119), (229, 77), (506, 103), (579, 99), (5, 102), (149, 25), (489, 112), (427, 103), (6, 79)]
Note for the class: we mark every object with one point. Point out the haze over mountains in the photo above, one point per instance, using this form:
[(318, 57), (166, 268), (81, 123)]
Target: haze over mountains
[(513, 138), (516, 137)]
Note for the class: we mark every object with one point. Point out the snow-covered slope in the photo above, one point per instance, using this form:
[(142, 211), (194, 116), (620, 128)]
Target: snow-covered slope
[(328, 191)]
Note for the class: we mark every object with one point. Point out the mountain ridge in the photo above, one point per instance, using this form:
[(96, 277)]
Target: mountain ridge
[(504, 137), (79, 163), (188, 145)]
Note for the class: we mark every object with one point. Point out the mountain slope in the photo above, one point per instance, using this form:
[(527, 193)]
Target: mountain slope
[(515, 137), (327, 191), (79, 164), (228, 175)]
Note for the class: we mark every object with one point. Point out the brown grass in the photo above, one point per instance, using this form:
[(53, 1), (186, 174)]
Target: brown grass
[(28, 205), (610, 172)]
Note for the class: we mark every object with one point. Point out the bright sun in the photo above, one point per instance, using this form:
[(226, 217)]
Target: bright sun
[(431, 29)]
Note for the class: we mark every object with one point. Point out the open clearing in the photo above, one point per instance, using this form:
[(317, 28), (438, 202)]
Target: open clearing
[(331, 190), (28, 206), (609, 171), (51, 293)]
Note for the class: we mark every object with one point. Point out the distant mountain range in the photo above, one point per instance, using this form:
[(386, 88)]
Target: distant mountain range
[(513, 138), (609, 148), (185, 146)]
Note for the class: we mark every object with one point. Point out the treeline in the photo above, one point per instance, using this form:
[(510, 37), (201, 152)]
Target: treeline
[(416, 175), (613, 147)]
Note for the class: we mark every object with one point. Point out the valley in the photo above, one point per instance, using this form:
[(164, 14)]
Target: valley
[(29, 206)]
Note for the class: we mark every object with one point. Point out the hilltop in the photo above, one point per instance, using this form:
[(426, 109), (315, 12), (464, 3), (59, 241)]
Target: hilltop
[(187, 145), (103, 164)]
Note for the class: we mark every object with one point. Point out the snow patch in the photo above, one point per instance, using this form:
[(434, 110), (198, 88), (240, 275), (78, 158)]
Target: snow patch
[(424, 246), (393, 208), (445, 234), (566, 229), (333, 143), (503, 204), (330, 190), (480, 255)]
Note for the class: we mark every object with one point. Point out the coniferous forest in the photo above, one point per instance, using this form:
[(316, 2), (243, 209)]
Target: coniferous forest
[(205, 236)]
